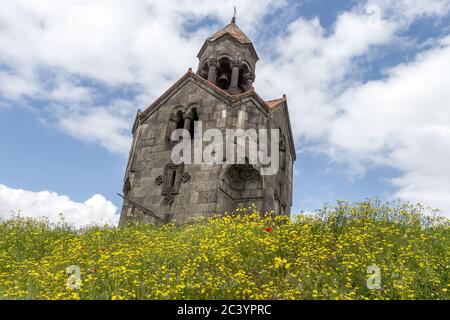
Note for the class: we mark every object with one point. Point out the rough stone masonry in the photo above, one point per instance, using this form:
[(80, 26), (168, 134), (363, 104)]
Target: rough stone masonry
[(220, 95)]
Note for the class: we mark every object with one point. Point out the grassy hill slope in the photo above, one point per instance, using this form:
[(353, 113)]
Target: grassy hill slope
[(244, 256)]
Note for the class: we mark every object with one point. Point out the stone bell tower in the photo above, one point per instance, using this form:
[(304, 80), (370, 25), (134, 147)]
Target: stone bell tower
[(228, 59), (219, 95)]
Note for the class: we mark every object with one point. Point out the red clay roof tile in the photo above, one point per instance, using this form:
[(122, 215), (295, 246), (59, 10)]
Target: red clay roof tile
[(234, 31), (271, 104)]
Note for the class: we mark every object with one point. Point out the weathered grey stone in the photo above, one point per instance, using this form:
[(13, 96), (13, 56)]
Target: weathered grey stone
[(192, 190)]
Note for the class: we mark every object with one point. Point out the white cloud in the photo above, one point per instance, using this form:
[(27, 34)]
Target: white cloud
[(48, 46), (408, 10), (403, 121), (400, 121), (115, 42), (97, 125), (13, 86), (312, 66), (96, 210)]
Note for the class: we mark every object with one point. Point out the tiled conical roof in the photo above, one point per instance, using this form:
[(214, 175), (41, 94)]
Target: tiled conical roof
[(233, 30)]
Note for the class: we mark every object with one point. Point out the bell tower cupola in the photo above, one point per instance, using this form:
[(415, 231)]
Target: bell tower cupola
[(228, 59)]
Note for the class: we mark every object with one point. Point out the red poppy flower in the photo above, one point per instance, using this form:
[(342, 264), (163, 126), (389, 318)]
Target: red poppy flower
[(268, 229)]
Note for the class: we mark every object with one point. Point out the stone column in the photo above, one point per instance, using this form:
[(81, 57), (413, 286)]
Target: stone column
[(212, 72), (235, 67), (249, 78), (188, 120)]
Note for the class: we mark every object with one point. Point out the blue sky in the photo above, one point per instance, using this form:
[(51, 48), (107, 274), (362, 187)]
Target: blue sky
[(365, 83)]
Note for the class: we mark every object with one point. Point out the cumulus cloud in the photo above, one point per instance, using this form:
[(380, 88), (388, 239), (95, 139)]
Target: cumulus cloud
[(408, 10), (96, 210), (71, 52), (401, 121), (116, 42), (98, 125), (75, 55), (312, 66)]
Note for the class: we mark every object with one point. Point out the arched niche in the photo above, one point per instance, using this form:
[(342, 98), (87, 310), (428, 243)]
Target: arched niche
[(176, 121), (242, 185), (245, 81)]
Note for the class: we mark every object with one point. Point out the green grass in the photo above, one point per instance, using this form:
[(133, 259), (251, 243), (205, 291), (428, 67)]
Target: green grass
[(324, 256)]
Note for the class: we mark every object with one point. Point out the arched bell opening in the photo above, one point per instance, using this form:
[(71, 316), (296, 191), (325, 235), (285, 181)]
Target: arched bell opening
[(224, 74), (204, 71), (244, 75), (245, 81)]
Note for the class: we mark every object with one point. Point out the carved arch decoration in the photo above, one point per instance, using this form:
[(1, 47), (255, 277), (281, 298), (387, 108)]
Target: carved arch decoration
[(242, 182), (174, 175)]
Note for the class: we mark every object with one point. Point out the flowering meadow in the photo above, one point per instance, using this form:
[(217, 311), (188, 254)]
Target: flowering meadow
[(365, 250)]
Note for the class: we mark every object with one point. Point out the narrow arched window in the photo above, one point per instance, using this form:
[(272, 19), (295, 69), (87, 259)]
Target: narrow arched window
[(194, 118), (173, 178), (176, 121), (180, 120)]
